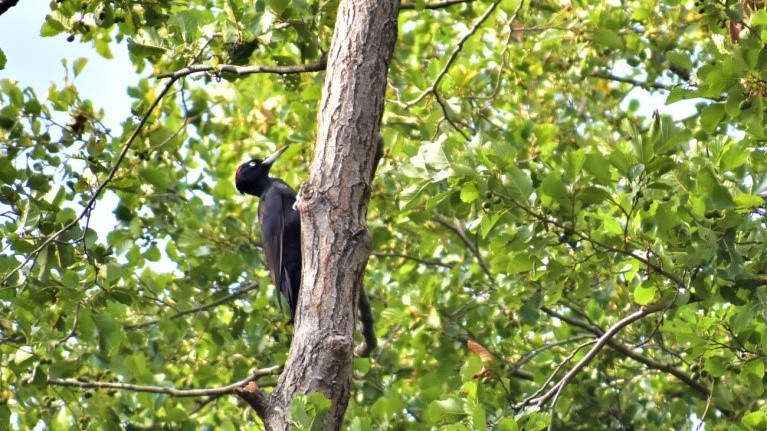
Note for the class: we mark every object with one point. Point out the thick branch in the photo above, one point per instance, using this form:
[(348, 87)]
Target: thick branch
[(256, 398), (257, 374), (369, 341), (333, 207)]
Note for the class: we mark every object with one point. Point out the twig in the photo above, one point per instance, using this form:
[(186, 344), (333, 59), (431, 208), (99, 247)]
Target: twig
[(446, 114), (247, 70), (454, 54), (642, 84), (553, 374), (255, 375), (611, 332), (458, 229), (585, 237), (705, 411), (73, 331), (33, 255), (533, 353), (256, 398), (437, 5), (431, 262), (198, 309), (629, 352)]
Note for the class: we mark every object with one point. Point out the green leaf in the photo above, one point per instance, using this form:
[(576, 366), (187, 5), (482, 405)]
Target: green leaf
[(187, 22), (446, 410), (110, 334), (608, 38), (593, 195), (155, 177), (715, 366), (598, 166), (519, 184), (52, 25), (488, 222), (679, 59), (758, 18), (469, 192), (622, 161), (755, 420), (78, 65), (720, 198), (506, 424), (553, 187), (711, 116), (732, 158), (298, 412), (644, 295), (748, 201), (65, 215), (3, 59), (278, 6)]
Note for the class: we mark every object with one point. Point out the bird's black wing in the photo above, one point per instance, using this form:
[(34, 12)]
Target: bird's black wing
[(291, 247), (272, 221)]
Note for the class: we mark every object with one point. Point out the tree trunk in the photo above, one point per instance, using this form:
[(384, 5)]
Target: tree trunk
[(333, 206)]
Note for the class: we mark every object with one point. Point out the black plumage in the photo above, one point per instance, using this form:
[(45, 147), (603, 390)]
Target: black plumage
[(280, 224)]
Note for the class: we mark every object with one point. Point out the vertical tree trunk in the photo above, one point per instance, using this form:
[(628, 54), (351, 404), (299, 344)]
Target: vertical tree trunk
[(333, 205)]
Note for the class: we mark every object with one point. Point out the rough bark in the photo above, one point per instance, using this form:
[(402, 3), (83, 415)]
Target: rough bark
[(333, 206)]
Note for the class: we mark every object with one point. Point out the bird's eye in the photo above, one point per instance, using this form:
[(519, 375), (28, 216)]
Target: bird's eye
[(252, 163)]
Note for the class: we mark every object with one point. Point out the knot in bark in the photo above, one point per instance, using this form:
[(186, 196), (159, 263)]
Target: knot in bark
[(307, 197), (339, 344)]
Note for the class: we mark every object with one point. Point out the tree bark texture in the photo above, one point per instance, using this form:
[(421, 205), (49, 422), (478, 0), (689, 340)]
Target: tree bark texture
[(333, 206)]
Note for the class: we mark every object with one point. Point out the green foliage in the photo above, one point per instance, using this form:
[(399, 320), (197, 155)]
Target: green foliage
[(308, 412), (526, 203)]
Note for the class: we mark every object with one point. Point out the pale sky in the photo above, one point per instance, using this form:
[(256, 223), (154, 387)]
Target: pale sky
[(35, 61)]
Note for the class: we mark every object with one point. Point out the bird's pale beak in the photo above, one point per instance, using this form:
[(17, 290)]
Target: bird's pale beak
[(271, 159)]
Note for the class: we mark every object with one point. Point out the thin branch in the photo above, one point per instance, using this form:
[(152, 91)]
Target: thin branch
[(73, 331), (454, 54), (533, 353), (437, 5), (458, 229), (629, 352), (705, 411), (430, 262), (642, 84), (446, 114), (89, 205), (255, 375), (553, 374), (585, 237), (198, 309), (601, 342), (11, 339), (247, 70)]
